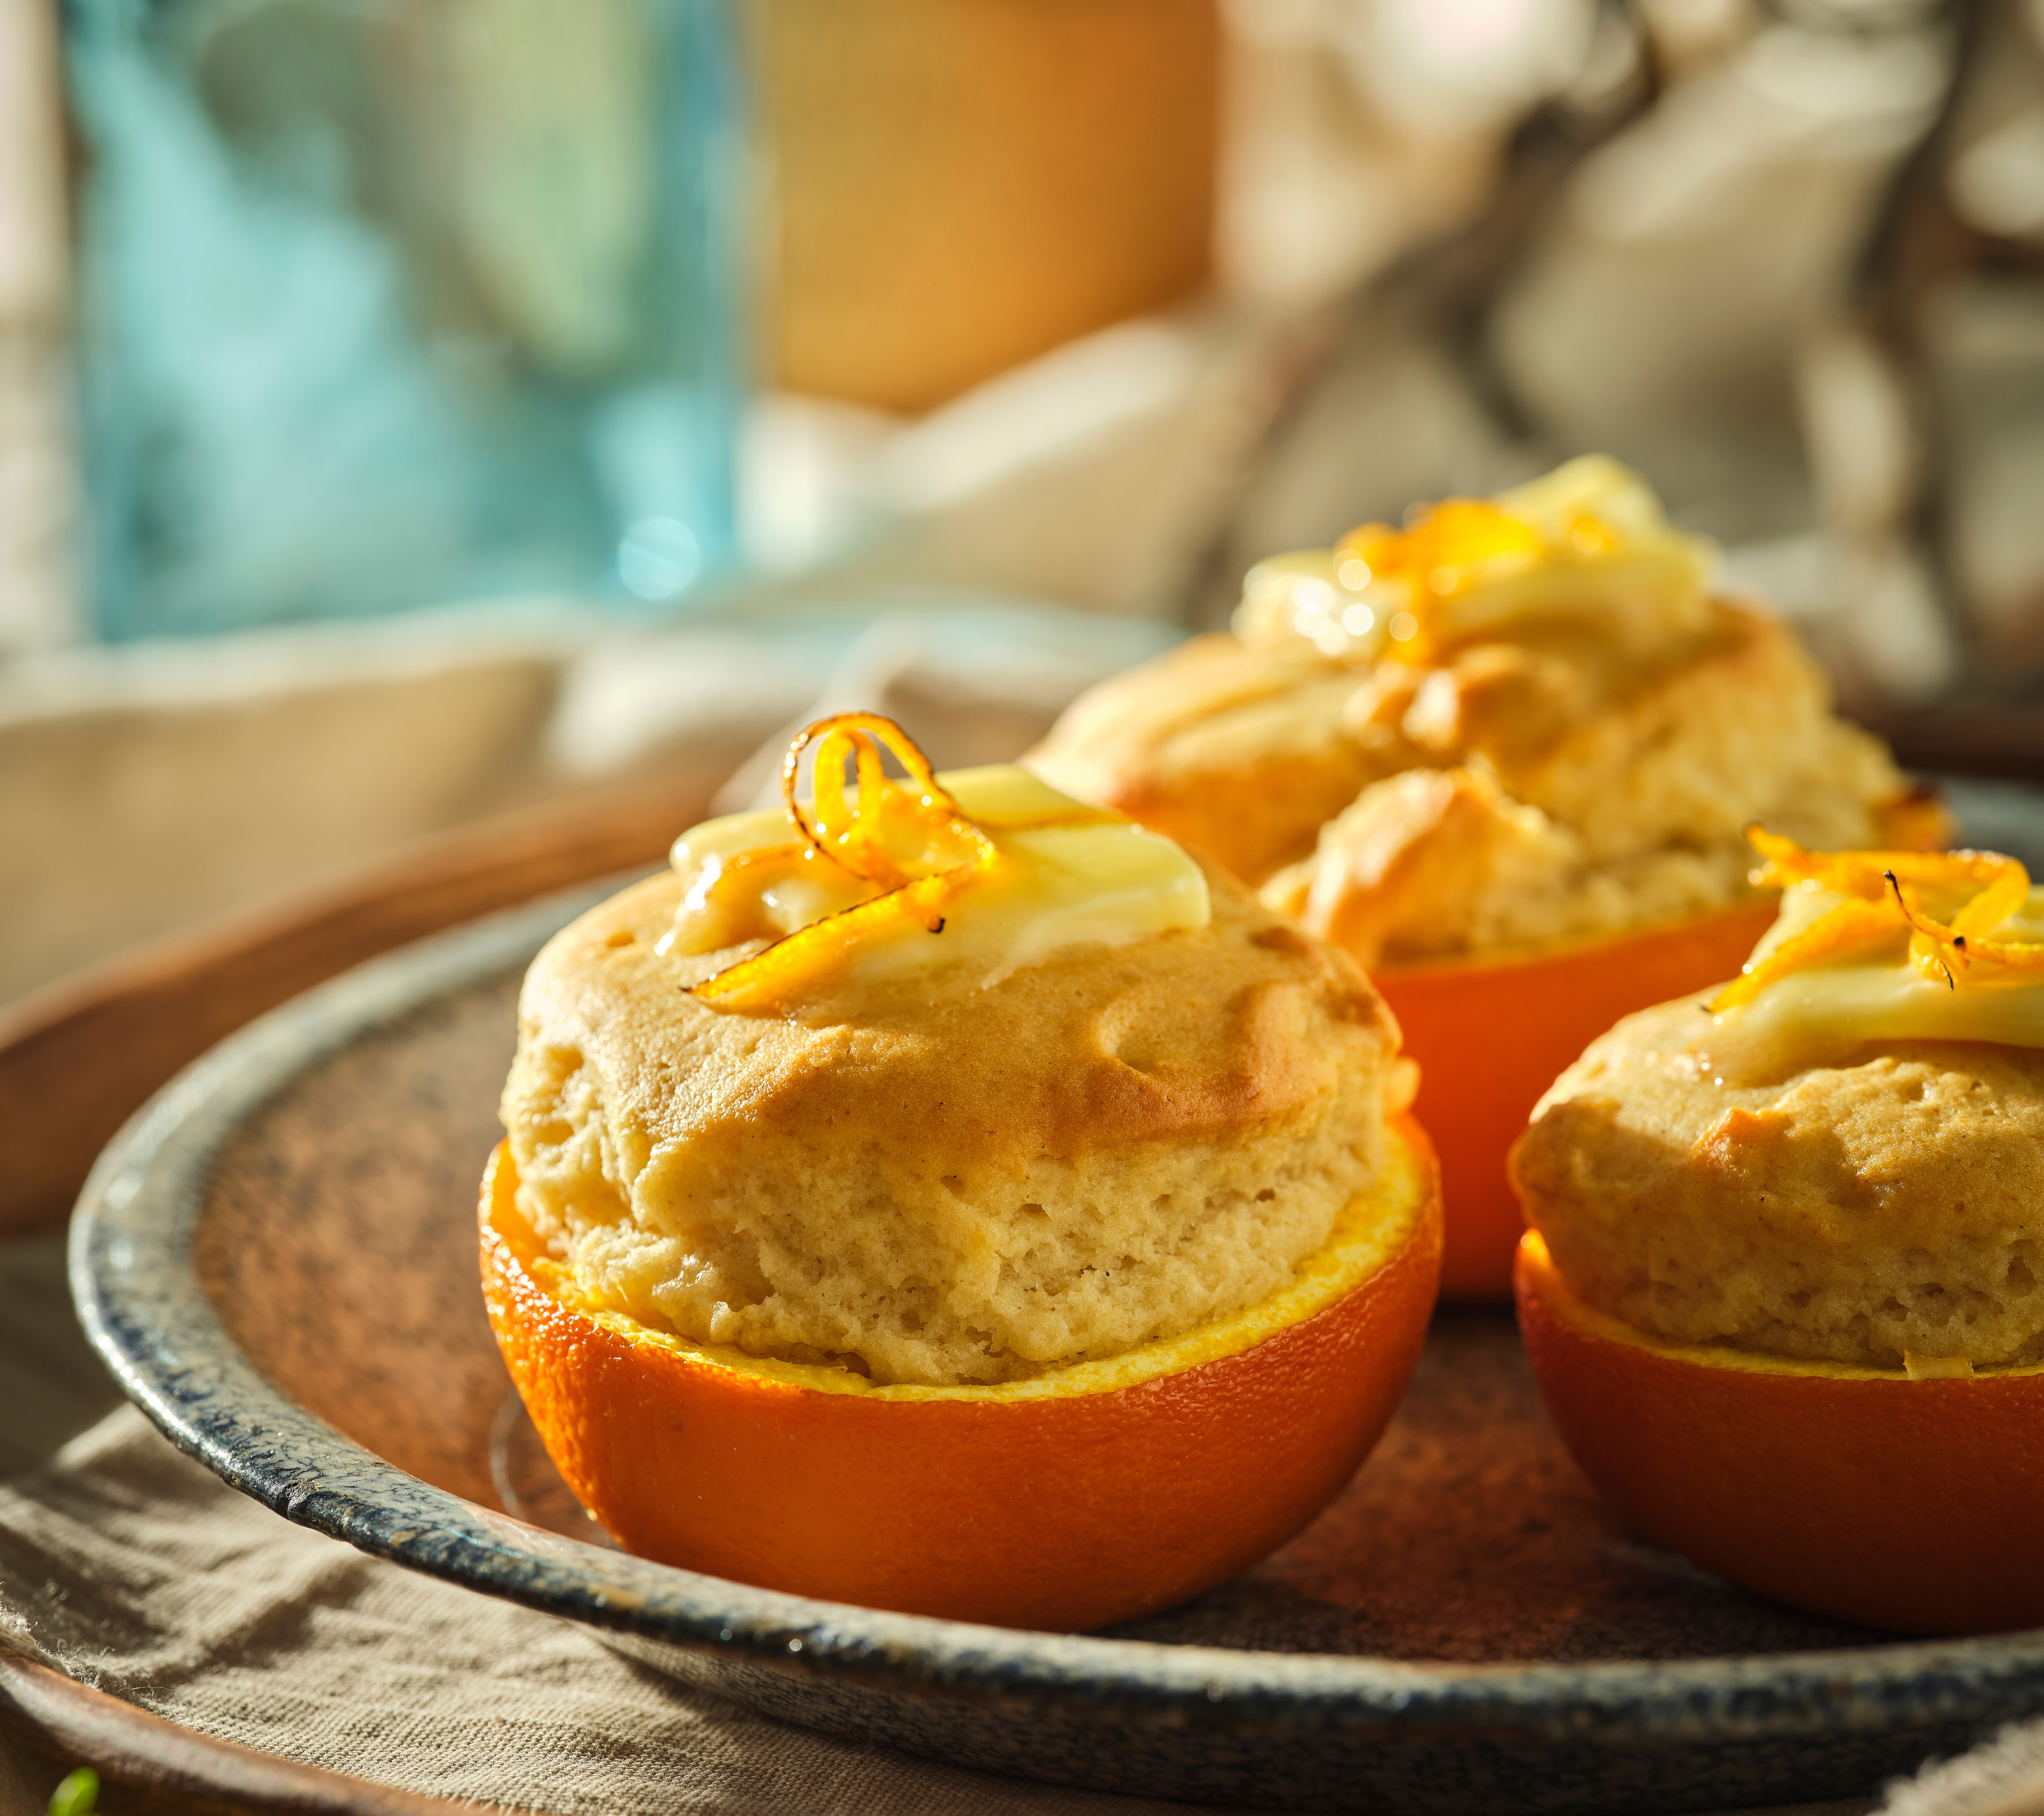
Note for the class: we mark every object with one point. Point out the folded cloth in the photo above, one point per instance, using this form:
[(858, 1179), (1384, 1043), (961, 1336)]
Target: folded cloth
[(124, 1563)]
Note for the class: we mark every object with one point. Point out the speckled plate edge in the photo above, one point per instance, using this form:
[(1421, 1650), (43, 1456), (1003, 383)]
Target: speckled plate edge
[(144, 1309)]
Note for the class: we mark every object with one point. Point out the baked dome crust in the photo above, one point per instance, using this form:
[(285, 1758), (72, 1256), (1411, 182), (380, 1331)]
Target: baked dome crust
[(1550, 787), (1890, 1201), (934, 1182)]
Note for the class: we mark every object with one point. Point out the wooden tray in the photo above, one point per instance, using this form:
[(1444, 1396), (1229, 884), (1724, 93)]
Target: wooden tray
[(74, 1062), (78, 1059), (1466, 1627)]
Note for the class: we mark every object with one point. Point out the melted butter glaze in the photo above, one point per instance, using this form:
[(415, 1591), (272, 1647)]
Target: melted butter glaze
[(1586, 541), (1825, 1011), (1051, 873)]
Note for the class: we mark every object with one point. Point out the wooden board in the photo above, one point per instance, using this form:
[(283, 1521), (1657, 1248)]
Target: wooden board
[(149, 1766), (76, 1060)]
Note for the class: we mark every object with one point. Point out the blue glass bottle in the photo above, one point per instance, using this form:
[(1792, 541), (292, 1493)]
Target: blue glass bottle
[(385, 303)]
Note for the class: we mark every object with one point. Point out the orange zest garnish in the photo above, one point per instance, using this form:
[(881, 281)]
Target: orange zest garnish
[(1455, 534), (913, 843), (1436, 552), (909, 842), (1885, 892), (1959, 949), (1852, 926), (854, 837)]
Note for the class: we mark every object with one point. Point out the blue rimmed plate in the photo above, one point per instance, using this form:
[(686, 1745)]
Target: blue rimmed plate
[(277, 1257)]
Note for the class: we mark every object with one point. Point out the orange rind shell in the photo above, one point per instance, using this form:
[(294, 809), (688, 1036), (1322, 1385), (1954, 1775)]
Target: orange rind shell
[(1094, 1493), (1910, 1505), (1491, 1035)]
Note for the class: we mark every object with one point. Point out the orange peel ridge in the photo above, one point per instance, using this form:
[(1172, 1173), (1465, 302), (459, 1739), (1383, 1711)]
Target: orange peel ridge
[(850, 835), (1884, 891)]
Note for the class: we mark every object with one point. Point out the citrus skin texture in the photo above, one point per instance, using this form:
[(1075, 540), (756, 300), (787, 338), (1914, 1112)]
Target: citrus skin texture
[(1491, 1035), (1857, 1493), (1091, 1494)]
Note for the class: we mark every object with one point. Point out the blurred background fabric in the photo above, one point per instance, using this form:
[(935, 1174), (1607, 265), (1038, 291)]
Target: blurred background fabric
[(410, 414)]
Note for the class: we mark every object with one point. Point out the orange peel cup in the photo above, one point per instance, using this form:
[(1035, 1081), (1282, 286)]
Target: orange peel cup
[(1491, 1035), (1910, 1505), (1094, 1493)]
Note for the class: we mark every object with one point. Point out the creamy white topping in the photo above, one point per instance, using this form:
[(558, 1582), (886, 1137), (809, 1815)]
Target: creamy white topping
[(1061, 874), (1826, 1009), (1588, 540)]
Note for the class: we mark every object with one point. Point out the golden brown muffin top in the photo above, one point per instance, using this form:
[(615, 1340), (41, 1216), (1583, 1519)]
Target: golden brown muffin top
[(1890, 1202), (1598, 765), (1825, 1159), (930, 1175), (1198, 1032)]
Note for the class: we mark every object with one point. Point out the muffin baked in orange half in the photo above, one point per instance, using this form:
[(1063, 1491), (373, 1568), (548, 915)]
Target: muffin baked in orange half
[(1784, 1289), (1504, 757), (943, 1197)]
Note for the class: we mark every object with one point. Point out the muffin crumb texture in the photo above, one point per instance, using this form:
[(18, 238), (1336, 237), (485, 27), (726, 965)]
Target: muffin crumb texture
[(1554, 786), (938, 1183), (1890, 1202)]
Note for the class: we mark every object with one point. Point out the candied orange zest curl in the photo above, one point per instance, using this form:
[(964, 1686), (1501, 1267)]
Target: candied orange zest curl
[(1455, 534), (1849, 927), (1957, 949), (2005, 962), (1440, 549), (1994, 904), (1936, 951), (1863, 873), (850, 834), (793, 955), (1884, 892)]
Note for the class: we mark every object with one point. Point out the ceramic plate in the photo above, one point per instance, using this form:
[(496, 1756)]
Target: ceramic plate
[(277, 1258)]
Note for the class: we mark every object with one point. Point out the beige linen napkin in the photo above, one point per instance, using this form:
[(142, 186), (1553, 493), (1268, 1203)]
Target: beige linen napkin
[(127, 1565)]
